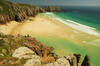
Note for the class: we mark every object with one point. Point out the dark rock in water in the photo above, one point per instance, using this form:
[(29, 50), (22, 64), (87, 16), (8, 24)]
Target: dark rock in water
[(72, 60), (52, 9), (78, 58), (75, 60), (86, 61)]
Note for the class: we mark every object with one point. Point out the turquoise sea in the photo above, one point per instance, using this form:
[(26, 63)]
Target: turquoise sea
[(87, 18)]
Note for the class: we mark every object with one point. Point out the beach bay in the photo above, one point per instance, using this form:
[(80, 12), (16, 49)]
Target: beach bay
[(65, 39)]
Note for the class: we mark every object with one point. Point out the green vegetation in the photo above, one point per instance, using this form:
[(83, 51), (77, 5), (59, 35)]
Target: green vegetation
[(9, 43), (16, 11)]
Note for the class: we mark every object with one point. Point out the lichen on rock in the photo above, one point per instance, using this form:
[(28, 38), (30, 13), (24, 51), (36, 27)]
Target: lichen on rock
[(23, 52)]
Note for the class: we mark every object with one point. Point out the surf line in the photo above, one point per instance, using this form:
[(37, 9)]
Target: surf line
[(75, 25)]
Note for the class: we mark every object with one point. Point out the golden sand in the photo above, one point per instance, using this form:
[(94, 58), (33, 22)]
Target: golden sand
[(45, 26)]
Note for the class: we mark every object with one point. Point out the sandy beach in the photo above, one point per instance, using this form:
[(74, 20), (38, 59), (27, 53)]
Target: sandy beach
[(43, 25), (40, 25), (51, 32)]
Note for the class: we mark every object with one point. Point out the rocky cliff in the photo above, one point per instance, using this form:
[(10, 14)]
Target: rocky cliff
[(27, 51), (15, 11)]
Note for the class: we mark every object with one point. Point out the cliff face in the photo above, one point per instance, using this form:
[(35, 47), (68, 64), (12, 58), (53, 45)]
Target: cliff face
[(19, 50), (52, 9), (19, 12), (9, 43)]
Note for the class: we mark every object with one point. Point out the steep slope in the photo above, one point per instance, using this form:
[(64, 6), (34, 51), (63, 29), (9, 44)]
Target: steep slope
[(15, 11), (18, 12)]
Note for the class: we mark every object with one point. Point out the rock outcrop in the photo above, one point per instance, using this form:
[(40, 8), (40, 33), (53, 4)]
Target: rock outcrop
[(52, 9), (76, 60), (22, 47), (59, 62), (43, 51), (19, 12), (26, 53), (34, 60), (86, 61)]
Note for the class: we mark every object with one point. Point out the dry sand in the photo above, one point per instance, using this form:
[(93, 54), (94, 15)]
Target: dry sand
[(40, 25), (43, 25)]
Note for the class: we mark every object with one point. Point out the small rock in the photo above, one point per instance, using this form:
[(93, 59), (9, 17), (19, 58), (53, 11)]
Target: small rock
[(72, 60), (1, 54), (56, 64), (49, 64), (4, 51), (62, 62), (33, 62), (26, 53), (86, 61)]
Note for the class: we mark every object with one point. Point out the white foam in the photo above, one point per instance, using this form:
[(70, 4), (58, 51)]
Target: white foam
[(77, 26)]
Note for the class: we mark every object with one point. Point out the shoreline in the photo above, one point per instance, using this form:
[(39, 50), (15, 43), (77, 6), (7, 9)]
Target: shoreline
[(48, 25), (44, 26), (75, 25)]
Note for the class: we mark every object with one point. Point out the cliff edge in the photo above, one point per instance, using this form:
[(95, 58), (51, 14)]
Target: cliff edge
[(16, 11)]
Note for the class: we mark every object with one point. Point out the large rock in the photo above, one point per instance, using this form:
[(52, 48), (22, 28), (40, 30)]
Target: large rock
[(78, 59), (75, 60), (24, 52), (72, 60), (86, 61), (62, 62)]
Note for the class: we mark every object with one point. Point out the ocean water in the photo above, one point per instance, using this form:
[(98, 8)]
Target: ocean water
[(78, 22), (88, 22), (91, 19)]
